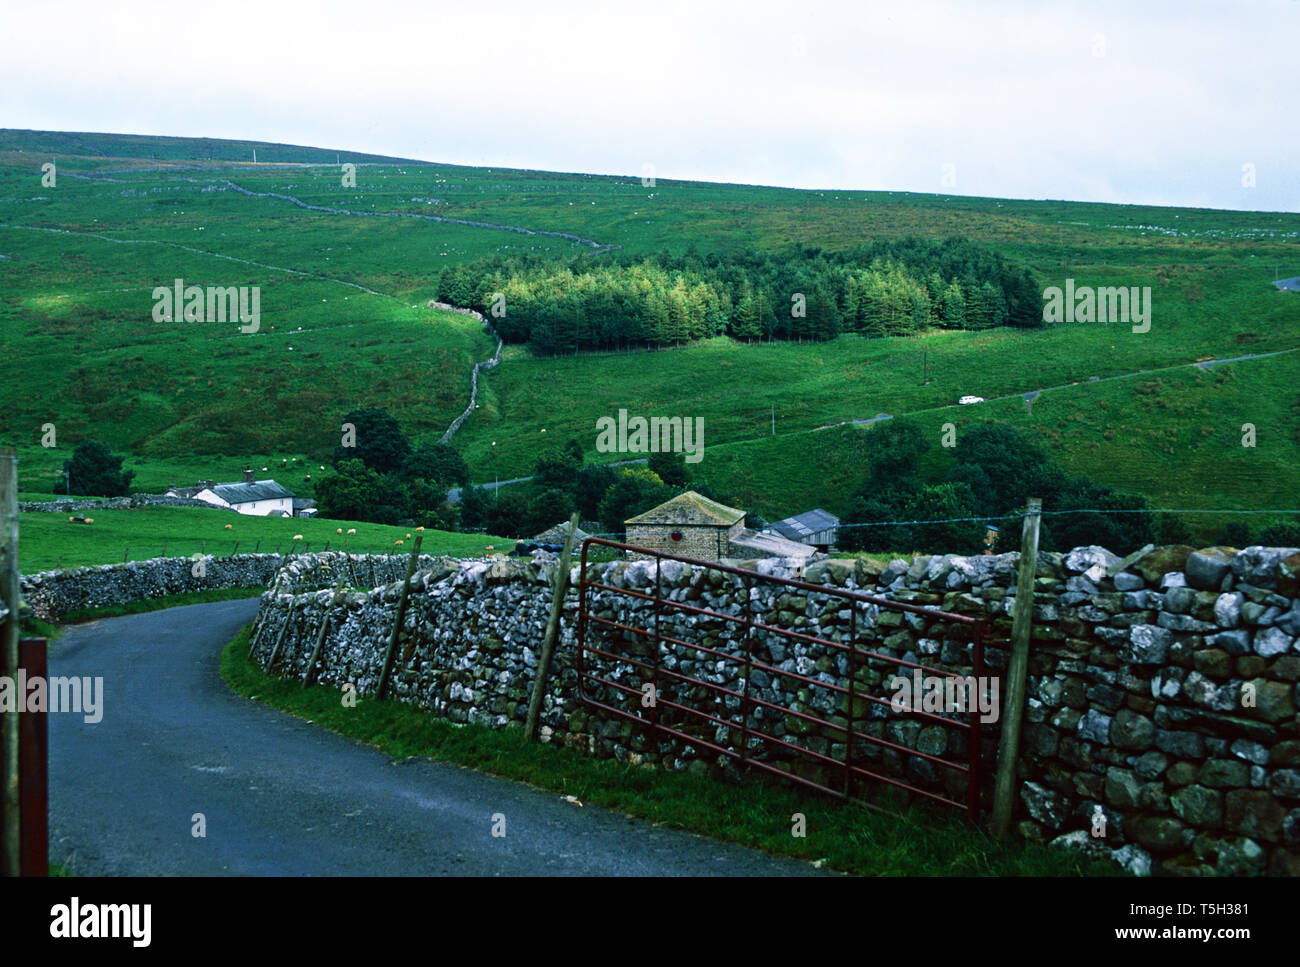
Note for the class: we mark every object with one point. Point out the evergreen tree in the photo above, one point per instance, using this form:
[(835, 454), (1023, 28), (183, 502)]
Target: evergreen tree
[(94, 471)]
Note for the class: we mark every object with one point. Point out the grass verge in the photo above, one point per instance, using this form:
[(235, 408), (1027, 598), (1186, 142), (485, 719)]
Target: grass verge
[(753, 814)]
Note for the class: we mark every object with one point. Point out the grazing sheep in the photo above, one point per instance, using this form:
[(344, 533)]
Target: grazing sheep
[(228, 526), (297, 537), (352, 530)]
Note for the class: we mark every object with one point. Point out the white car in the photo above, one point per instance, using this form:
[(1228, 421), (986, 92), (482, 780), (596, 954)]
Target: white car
[(970, 399)]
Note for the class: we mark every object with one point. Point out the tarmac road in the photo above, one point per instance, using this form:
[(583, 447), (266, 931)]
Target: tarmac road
[(281, 796)]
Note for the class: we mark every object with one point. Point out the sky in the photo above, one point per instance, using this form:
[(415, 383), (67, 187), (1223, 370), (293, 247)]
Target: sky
[(1161, 103)]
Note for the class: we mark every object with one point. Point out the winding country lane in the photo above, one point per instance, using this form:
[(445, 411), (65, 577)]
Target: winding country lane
[(284, 797)]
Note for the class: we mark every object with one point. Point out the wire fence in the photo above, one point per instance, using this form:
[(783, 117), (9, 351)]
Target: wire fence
[(217, 549), (1021, 514)]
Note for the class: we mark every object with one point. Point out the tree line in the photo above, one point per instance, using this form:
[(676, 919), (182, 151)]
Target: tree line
[(615, 300), (996, 468)]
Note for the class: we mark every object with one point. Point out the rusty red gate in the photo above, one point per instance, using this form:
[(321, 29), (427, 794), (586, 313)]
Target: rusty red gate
[(663, 660)]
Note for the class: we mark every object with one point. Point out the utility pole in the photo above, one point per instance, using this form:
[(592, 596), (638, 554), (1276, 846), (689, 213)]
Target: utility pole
[(773, 419)]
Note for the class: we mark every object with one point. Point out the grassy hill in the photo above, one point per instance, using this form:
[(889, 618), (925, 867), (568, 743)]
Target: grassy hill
[(79, 261), (50, 540)]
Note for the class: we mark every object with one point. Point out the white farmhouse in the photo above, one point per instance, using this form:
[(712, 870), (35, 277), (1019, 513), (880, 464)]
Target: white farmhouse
[(261, 498)]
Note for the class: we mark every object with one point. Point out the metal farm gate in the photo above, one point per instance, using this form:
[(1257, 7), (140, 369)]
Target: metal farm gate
[(664, 660)]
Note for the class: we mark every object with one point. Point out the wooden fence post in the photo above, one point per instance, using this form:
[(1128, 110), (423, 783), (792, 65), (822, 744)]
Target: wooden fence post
[(270, 662), (1004, 790), (10, 828), (310, 673), (387, 668), (552, 632)]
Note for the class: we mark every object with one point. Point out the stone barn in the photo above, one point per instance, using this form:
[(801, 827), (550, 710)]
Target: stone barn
[(689, 525)]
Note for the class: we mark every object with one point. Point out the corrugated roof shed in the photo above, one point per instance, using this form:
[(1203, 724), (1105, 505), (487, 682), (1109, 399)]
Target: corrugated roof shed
[(690, 508), (802, 526)]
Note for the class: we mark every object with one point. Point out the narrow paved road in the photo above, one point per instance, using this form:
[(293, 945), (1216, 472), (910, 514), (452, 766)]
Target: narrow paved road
[(285, 797)]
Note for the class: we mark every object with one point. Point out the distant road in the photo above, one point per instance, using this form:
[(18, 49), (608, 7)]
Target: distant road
[(453, 495), (283, 797), (1030, 395)]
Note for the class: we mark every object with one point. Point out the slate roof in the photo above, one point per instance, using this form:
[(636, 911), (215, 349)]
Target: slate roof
[(802, 526), (557, 534), (690, 508), (243, 493)]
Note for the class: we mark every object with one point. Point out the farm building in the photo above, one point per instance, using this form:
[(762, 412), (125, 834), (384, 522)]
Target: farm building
[(749, 544), (690, 525), (261, 498), (556, 534), (814, 527)]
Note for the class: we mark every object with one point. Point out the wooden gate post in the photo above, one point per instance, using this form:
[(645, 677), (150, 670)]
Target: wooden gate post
[(10, 829), (1004, 790), (387, 668), (552, 632)]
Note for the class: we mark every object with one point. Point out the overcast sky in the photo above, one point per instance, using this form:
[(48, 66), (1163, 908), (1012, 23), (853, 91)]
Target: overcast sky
[(1128, 101)]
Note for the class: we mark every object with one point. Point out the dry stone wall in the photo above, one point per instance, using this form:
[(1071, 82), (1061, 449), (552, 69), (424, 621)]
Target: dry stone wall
[(52, 594), (1160, 727)]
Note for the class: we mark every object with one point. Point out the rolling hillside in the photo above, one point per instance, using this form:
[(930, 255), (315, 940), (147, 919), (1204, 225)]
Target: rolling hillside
[(345, 323)]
